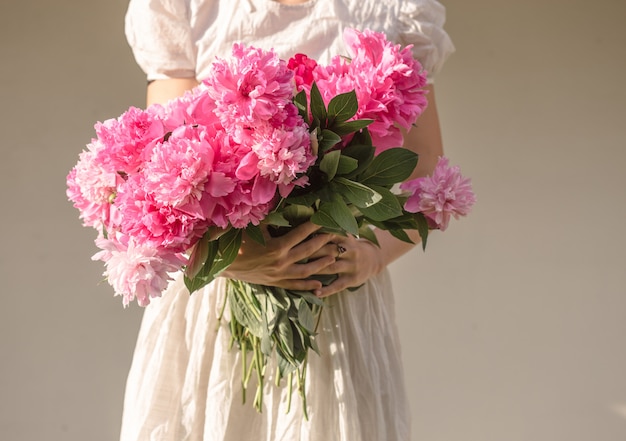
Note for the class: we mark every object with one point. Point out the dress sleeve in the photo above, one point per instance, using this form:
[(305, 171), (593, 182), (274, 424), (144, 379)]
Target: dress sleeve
[(421, 24), (159, 34)]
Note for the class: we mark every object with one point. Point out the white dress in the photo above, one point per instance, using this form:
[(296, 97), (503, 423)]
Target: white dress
[(184, 382)]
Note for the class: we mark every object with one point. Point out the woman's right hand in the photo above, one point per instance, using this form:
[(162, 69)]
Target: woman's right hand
[(276, 262)]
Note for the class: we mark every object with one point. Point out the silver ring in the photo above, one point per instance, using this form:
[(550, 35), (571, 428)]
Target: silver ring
[(340, 249)]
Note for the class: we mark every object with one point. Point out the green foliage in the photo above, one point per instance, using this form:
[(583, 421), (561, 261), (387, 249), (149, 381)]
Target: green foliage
[(348, 192)]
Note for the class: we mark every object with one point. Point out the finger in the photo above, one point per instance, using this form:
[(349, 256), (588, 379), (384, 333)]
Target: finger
[(300, 284), (329, 249), (306, 249), (299, 234), (304, 270), (337, 286), (339, 266)]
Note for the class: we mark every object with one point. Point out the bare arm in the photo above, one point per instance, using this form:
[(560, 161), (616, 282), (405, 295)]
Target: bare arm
[(161, 91), (363, 259)]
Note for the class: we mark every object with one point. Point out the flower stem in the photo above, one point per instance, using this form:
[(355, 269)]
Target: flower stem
[(289, 390)]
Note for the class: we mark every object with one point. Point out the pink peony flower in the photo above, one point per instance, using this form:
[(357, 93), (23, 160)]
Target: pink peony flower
[(250, 203), (250, 88), (126, 138), (152, 223), (92, 188), (303, 68), (283, 155), (179, 168), (136, 271), (388, 82), (443, 194)]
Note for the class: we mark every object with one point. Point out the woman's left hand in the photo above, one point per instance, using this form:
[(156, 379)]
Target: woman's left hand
[(356, 261)]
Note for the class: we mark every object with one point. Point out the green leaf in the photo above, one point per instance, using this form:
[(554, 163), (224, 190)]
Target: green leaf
[(285, 366), (399, 233), (390, 167), (203, 277), (221, 253), (318, 109), (422, 228), (305, 199), (346, 165), (363, 153), (327, 140), (309, 297), (277, 219), (338, 211), (366, 232), (343, 107), (297, 214), (362, 137), (301, 103), (345, 128), (305, 317), (198, 257), (324, 218), (330, 163), (243, 312), (229, 244), (266, 345), (387, 208), (254, 232), (279, 297), (285, 334), (355, 192)]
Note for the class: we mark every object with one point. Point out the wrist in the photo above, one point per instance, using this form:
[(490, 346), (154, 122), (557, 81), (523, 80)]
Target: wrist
[(375, 254)]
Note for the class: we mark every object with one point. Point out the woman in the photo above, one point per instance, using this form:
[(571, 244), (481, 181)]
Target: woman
[(184, 383)]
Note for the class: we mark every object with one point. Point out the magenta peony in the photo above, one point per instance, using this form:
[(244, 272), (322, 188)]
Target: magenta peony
[(440, 196), (388, 81), (303, 68)]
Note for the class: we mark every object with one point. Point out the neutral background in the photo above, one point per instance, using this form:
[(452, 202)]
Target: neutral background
[(513, 321)]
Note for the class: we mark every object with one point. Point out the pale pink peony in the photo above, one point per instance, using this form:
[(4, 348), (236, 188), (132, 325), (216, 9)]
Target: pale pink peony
[(136, 271), (283, 155), (92, 188), (444, 194)]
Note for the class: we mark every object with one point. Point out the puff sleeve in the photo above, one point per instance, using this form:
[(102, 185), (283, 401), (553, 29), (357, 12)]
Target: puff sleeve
[(159, 34), (421, 24)]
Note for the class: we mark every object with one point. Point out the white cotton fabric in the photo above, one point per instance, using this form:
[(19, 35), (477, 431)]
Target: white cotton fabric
[(184, 383), (180, 38)]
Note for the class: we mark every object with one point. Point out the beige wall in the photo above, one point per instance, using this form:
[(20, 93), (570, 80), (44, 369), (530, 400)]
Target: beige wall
[(517, 329)]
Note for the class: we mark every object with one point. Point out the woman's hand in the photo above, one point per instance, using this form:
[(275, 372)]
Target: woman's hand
[(357, 260), (276, 263)]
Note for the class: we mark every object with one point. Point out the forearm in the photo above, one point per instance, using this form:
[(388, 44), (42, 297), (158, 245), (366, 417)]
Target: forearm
[(391, 249), (424, 139), (161, 91)]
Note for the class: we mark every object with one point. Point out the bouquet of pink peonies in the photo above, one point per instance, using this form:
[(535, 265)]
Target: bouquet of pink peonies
[(262, 140)]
